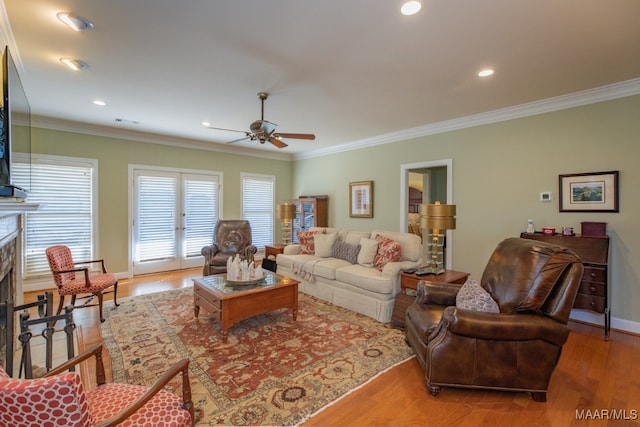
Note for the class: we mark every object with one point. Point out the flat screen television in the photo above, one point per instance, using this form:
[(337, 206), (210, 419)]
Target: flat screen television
[(15, 129)]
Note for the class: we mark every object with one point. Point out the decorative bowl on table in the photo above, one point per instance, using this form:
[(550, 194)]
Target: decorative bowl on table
[(245, 282)]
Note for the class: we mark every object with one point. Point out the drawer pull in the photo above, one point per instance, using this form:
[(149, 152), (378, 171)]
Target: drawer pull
[(593, 304), (593, 275), (592, 289)]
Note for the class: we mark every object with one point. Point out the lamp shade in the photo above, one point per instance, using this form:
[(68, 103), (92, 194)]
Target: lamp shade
[(438, 216), (286, 211)]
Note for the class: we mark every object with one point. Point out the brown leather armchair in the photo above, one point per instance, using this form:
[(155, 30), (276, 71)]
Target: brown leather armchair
[(534, 285), (230, 237)]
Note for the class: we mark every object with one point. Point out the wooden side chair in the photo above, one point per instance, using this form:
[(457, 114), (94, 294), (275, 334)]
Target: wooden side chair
[(59, 398), (86, 286)]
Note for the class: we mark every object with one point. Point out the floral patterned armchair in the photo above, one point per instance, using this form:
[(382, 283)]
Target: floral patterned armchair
[(59, 398)]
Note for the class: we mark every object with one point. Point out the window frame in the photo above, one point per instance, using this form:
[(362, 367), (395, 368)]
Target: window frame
[(35, 281)]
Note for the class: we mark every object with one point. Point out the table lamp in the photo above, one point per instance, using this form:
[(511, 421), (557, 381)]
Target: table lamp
[(286, 212), (438, 218)]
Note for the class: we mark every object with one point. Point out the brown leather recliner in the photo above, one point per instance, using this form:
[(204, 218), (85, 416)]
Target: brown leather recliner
[(230, 237), (534, 285)]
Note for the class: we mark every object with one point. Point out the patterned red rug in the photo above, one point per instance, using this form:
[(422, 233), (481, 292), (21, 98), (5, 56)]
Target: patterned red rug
[(272, 370)]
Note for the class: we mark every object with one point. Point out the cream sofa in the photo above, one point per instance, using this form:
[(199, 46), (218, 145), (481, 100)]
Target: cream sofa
[(359, 287)]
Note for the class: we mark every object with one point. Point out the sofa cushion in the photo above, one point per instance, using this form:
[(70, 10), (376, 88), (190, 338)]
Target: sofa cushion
[(305, 238), (323, 244), (345, 251), (472, 296), (353, 237), (368, 251), (327, 267), (288, 261), (388, 251), (366, 278), (410, 244)]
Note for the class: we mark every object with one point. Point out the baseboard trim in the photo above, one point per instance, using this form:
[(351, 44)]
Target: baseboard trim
[(598, 320)]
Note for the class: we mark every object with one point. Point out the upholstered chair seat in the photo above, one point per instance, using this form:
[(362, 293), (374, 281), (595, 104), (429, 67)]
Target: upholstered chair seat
[(76, 278), (60, 399)]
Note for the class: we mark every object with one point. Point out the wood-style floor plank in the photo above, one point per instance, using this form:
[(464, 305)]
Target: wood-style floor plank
[(592, 374)]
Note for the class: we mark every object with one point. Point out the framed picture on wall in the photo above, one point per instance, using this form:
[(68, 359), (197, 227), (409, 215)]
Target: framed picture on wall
[(589, 192), (361, 199)]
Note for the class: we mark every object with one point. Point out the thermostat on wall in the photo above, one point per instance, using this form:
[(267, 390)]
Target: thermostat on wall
[(545, 196)]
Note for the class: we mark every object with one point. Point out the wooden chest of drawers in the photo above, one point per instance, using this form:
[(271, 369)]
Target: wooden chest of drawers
[(594, 289)]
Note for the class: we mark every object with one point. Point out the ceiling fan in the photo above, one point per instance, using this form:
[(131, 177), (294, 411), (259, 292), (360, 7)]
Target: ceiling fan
[(263, 131)]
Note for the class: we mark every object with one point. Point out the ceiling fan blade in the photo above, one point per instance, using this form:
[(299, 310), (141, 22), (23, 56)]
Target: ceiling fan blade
[(278, 143), (309, 136), (246, 138), (228, 130)]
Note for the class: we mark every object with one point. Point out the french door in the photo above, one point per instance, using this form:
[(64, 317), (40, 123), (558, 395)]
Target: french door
[(174, 214)]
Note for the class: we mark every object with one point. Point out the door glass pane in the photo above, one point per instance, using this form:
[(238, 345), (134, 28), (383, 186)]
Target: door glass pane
[(156, 223), (201, 213)]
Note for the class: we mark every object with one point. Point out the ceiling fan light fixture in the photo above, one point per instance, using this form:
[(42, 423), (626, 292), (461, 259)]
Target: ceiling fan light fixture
[(411, 8), (75, 22), (74, 64)]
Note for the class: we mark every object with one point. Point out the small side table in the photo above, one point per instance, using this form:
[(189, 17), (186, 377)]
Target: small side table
[(409, 286), (273, 250)]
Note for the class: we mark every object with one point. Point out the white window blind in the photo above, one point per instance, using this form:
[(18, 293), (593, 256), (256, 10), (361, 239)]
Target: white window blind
[(257, 207), (156, 226), (201, 212), (64, 188)]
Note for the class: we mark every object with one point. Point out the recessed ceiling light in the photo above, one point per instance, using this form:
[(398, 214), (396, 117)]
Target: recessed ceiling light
[(74, 64), (411, 8), (485, 73), (206, 124), (99, 102), (75, 22)]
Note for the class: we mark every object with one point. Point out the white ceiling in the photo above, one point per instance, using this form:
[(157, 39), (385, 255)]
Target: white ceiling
[(348, 71)]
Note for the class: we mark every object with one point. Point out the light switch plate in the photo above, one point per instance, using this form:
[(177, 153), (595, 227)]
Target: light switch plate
[(546, 196)]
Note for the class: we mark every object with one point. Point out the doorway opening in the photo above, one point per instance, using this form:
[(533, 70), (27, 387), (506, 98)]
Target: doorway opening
[(424, 183)]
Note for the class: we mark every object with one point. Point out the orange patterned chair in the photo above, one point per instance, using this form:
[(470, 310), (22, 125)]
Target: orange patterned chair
[(88, 285), (60, 399)]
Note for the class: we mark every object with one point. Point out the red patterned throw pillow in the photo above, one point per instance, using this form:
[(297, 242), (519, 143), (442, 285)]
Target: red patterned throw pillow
[(388, 251), (305, 238)]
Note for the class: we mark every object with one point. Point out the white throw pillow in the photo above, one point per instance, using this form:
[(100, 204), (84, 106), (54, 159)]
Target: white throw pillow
[(472, 296), (368, 251), (323, 244)]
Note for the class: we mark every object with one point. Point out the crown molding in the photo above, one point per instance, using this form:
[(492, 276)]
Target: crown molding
[(562, 102), (151, 138)]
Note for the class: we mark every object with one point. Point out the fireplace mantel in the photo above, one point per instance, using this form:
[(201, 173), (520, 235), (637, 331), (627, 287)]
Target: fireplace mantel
[(9, 207)]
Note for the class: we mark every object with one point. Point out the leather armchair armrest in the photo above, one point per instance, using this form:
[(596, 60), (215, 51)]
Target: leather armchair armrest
[(437, 293), (504, 327), (208, 252)]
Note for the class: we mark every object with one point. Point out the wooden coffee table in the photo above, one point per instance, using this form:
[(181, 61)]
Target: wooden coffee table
[(230, 303)]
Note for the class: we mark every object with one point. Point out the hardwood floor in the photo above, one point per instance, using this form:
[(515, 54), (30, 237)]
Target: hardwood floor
[(597, 379)]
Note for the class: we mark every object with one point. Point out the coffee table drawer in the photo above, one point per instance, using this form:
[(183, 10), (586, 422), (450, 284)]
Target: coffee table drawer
[(203, 298)]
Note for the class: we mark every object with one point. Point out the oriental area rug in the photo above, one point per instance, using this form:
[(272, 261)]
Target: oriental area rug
[(272, 371)]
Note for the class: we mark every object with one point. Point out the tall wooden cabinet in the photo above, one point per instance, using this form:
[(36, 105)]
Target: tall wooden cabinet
[(311, 211), (594, 289)]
